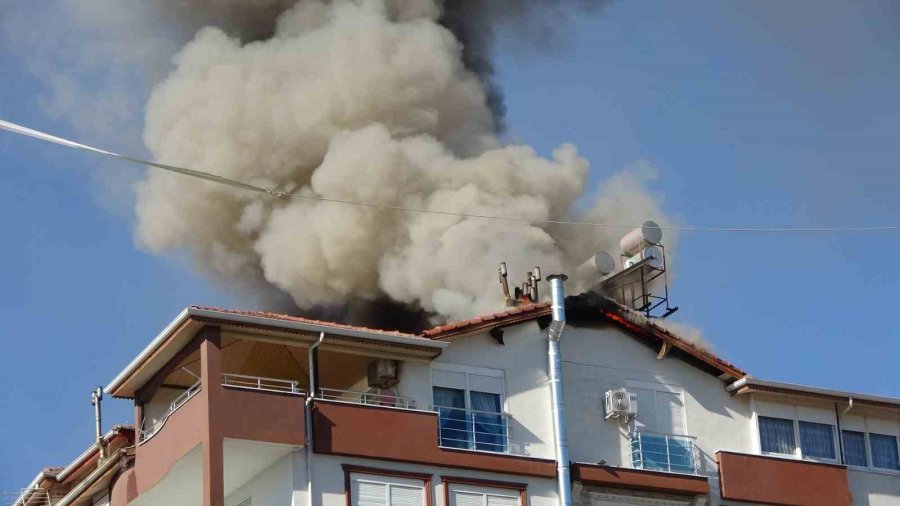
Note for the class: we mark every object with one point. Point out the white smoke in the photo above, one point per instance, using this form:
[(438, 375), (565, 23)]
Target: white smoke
[(364, 100)]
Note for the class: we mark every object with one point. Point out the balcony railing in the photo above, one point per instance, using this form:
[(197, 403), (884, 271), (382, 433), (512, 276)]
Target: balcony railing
[(263, 384), (664, 452), (373, 399), (473, 430), (147, 432)]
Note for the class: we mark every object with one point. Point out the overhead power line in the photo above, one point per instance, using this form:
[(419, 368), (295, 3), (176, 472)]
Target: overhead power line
[(275, 193)]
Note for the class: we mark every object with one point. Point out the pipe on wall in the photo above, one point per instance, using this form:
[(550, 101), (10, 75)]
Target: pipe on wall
[(558, 322)]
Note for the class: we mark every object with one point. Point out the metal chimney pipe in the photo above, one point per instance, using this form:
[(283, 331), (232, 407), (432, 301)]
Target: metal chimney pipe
[(96, 398), (558, 308)]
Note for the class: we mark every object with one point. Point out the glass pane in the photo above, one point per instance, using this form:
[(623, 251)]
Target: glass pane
[(817, 440), (489, 428), (884, 451), (776, 435), (453, 422), (855, 448), (406, 496), (669, 413)]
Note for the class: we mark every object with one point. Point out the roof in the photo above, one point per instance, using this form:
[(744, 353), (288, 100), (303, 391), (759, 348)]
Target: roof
[(85, 465), (185, 326), (749, 385), (594, 307), (511, 316)]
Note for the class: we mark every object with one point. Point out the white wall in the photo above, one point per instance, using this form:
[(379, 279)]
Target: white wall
[(271, 487), (874, 489), (603, 358)]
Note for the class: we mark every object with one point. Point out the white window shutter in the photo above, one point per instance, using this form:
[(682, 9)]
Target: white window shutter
[(670, 413), (647, 417), (369, 494), (467, 499), (502, 500), (406, 496)]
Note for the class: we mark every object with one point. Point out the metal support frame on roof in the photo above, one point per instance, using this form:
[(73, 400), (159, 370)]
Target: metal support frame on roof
[(632, 286)]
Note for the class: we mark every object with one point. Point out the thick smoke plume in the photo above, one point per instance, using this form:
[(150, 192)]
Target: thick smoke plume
[(383, 101)]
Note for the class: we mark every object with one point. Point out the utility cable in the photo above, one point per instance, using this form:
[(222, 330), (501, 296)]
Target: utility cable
[(21, 130)]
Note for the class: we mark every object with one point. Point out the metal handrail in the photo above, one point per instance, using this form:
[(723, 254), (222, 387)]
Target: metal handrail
[(173, 406), (473, 429), (261, 383), (357, 397), (659, 451)]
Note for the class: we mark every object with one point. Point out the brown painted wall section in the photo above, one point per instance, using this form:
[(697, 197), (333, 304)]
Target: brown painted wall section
[(639, 479), (182, 432), (263, 416), (405, 436), (781, 481), (243, 414)]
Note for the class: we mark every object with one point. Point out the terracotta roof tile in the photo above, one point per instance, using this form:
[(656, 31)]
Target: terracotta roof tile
[(300, 319)]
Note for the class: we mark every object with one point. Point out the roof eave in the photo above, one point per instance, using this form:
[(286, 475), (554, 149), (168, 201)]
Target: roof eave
[(193, 314)]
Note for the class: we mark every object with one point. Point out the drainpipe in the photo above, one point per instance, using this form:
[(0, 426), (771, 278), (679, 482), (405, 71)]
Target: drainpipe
[(309, 404), (96, 398), (558, 307)]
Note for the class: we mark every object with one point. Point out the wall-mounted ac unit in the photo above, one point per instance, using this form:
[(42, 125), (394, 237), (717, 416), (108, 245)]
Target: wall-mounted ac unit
[(621, 404)]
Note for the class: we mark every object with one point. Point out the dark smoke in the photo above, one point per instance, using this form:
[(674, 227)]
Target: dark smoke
[(536, 22)]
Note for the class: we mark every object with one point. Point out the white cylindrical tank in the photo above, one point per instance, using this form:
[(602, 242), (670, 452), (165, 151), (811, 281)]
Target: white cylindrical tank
[(598, 265), (651, 252), (646, 235)]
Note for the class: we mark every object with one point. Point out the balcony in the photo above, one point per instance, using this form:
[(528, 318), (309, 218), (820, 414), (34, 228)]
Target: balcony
[(372, 430), (369, 398), (774, 480), (671, 453), (470, 429)]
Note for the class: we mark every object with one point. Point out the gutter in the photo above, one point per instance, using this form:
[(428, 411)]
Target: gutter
[(192, 312), (851, 397)]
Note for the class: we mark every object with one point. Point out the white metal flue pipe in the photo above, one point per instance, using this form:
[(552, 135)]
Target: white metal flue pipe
[(558, 308), (308, 413), (96, 399)]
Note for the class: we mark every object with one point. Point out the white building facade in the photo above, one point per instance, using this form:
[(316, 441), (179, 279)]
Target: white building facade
[(257, 409)]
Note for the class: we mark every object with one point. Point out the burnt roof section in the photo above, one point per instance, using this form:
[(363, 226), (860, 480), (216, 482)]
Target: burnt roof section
[(591, 307)]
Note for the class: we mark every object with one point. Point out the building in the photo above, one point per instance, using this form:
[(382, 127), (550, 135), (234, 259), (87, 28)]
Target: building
[(240, 408)]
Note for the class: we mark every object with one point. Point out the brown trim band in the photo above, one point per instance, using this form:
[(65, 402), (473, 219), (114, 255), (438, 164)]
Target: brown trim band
[(378, 471), (639, 479), (446, 481)]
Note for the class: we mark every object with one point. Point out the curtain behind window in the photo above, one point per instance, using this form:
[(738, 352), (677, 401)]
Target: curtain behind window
[(817, 440), (776, 435), (855, 448), (489, 428), (884, 451), (451, 404)]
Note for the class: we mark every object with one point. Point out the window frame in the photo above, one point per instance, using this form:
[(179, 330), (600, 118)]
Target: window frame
[(837, 445), (448, 481), (866, 429), (350, 470), (665, 388), (469, 370)]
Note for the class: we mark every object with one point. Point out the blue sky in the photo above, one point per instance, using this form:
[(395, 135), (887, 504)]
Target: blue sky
[(753, 114)]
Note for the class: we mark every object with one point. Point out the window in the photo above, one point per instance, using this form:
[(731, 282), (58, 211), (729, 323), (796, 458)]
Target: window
[(469, 402), (817, 440), (776, 435), (472, 497), (476, 492), (855, 448), (799, 438), (884, 451), (659, 441), (386, 491)]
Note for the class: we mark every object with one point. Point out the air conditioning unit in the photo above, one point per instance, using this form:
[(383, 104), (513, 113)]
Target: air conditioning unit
[(621, 404)]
